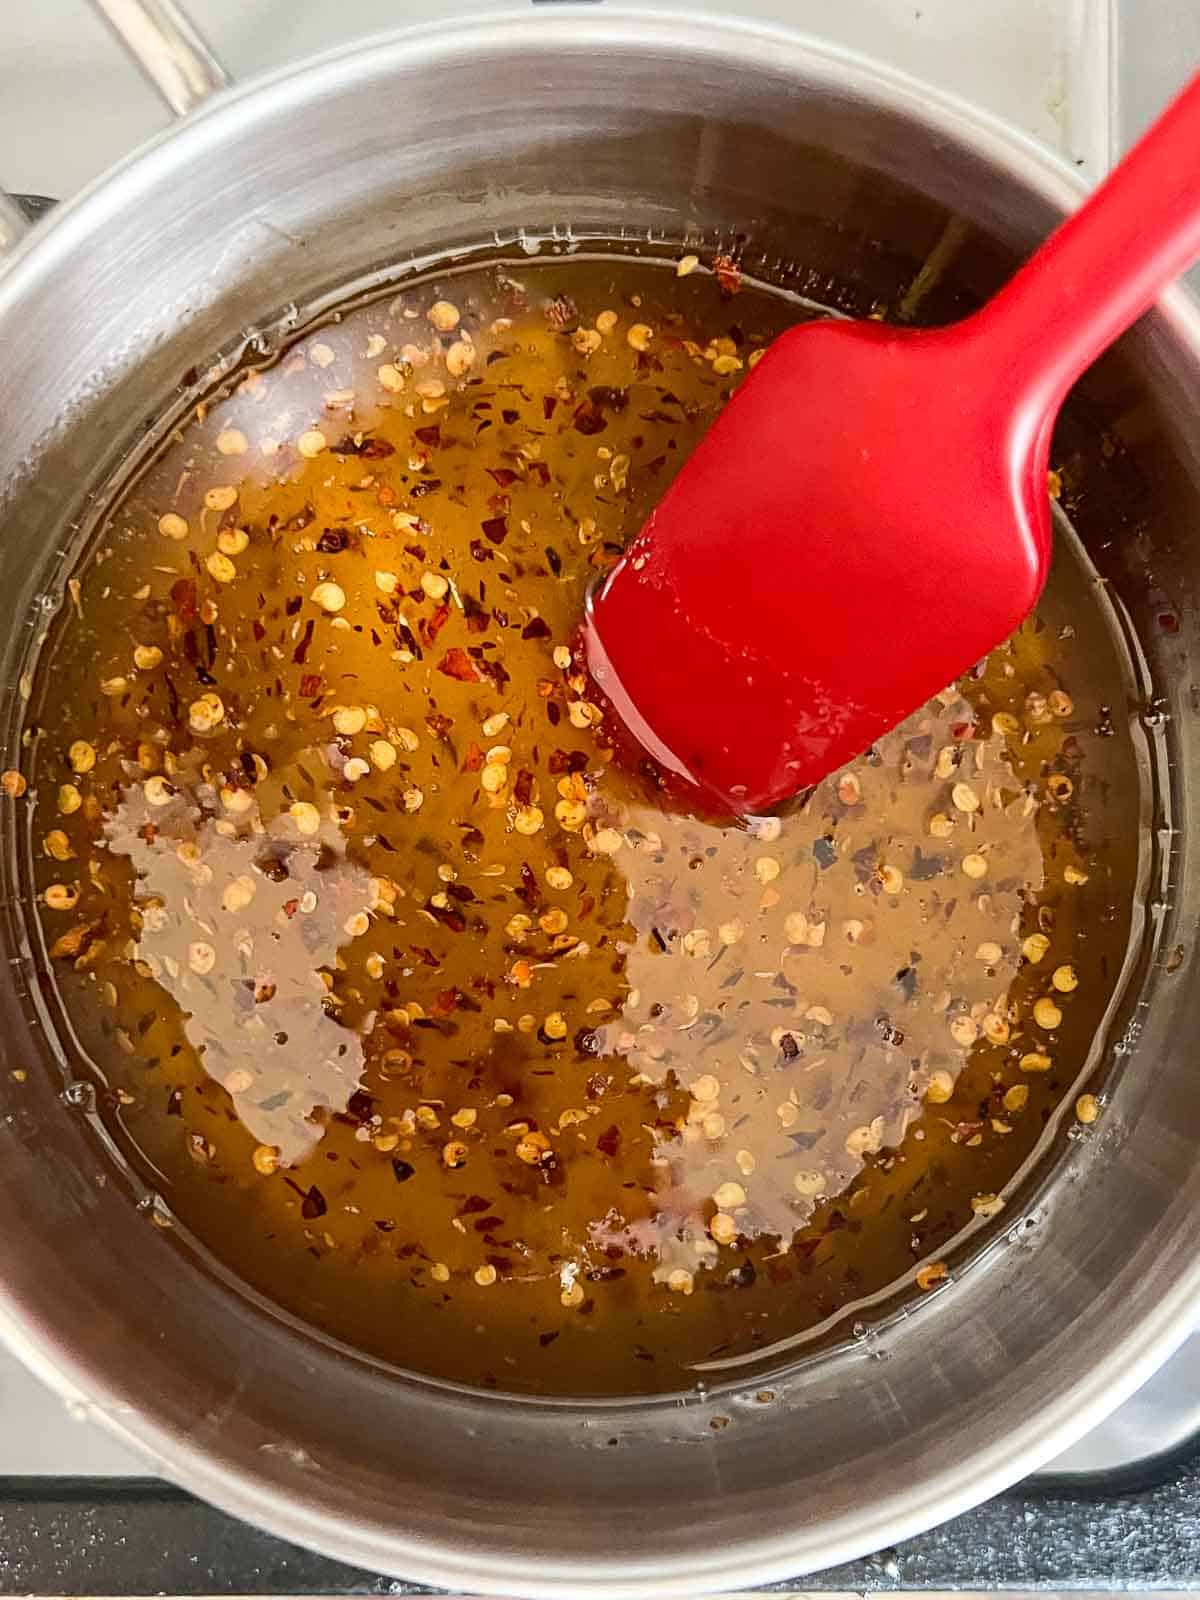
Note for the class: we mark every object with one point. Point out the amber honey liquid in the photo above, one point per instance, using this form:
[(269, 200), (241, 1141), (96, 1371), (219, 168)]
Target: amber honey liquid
[(421, 1015)]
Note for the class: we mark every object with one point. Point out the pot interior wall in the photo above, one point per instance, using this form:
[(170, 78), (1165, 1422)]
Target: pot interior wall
[(842, 188)]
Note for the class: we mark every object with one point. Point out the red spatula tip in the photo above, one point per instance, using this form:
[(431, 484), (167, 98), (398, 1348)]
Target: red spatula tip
[(868, 516), (767, 625)]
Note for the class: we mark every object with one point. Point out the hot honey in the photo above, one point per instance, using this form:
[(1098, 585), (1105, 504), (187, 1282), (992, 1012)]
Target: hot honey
[(416, 1008)]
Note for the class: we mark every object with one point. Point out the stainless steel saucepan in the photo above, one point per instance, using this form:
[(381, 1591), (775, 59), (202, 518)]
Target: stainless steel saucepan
[(844, 180)]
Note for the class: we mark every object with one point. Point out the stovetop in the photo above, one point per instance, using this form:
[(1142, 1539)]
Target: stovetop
[(78, 1511)]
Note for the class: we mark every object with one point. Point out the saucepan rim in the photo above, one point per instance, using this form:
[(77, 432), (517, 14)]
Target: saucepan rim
[(923, 1502)]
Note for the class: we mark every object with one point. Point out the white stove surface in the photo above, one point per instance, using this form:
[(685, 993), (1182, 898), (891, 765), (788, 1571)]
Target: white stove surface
[(72, 105), (1080, 75)]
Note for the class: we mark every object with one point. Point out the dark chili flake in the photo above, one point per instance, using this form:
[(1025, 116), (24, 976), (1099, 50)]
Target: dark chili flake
[(561, 312), (925, 867), (457, 664), (504, 476), (561, 761), (430, 627), (495, 529), (609, 1142), (273, 867), (888, 1032), (536, 628), (523, 786), (75, 943), (906, 981), (865, 862), (608, 398), (824, 853), (311, 685), (408, 639), (495, 672), (313, 1205), (360, 1106), (788, 1047), (728, 274), (300, 653), (589, 419), (364, 446), (183, 598), (475, 615), (402, 1170)]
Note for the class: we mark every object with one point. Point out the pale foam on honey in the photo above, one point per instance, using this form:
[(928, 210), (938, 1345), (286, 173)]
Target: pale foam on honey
[(823, 1022), (244, 967)]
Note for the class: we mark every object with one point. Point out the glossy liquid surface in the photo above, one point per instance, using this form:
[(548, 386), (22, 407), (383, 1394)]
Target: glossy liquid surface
[(423, 1016)]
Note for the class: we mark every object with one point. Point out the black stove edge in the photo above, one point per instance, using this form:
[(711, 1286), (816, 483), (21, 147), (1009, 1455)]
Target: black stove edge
[(76, 1536)]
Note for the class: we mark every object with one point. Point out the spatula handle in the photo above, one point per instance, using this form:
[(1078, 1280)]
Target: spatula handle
[(1105, 266)]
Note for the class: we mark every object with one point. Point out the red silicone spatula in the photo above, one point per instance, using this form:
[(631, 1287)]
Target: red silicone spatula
[(869, 514)]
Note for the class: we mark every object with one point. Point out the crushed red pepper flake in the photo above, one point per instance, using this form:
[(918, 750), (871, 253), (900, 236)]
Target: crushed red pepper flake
[(456, 663)]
